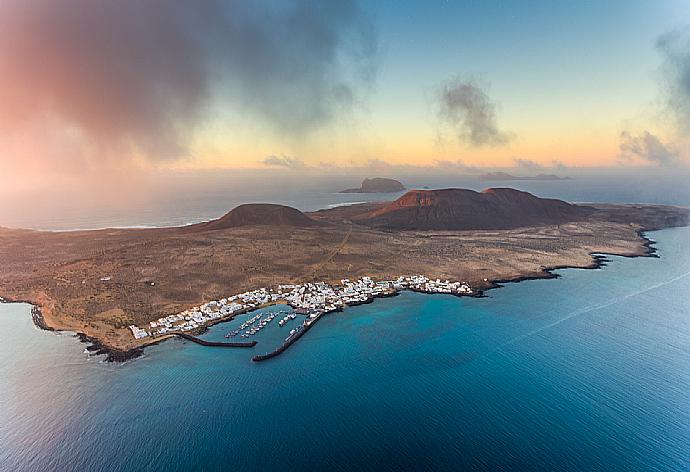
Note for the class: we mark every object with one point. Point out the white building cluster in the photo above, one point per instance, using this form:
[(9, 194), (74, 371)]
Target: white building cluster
[(138, 332), (312, 299), (423, 284)]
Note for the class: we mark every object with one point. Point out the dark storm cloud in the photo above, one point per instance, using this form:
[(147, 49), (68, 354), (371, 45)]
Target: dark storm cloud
[(138, 76), (675, 49), (466, 107), (647, 147)]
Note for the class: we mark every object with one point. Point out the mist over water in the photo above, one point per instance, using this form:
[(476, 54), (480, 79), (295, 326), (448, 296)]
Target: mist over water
[(172, 199)]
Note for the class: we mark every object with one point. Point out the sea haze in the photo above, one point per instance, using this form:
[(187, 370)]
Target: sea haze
[(175, 199), (585, 372)]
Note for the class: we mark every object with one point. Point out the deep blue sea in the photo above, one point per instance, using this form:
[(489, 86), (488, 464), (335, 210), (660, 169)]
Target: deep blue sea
[(588, 372)]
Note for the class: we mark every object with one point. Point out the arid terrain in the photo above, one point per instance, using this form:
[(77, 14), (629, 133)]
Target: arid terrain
[(99, 282)]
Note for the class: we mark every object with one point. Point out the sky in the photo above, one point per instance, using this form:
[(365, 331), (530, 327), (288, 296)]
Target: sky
[(98, 90)]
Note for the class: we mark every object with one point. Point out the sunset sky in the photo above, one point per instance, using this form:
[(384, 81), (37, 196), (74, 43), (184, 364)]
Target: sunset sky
[(126, 86)]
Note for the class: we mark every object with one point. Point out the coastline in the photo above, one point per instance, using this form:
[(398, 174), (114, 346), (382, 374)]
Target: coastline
[(95, 346), (392, 343), (116, 354), (599, 261)]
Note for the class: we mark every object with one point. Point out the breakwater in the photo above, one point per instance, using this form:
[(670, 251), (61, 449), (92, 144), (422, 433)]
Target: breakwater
[(289, 342), (203, 342)]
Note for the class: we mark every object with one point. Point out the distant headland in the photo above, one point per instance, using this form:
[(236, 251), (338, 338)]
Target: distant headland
[(504, 176), (377, 185)]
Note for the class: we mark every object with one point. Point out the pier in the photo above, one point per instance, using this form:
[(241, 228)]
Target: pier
[(289, 342), (203, 342)]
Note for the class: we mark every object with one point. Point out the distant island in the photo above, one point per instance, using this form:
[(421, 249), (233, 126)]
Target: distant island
[(498, 176), (377, 185), (124, 289)]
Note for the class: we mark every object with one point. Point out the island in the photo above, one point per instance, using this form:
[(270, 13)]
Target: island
[(377, 185), (124, 289), (504, 176)]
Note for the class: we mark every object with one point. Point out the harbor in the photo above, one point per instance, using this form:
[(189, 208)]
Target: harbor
[(310, 300), (203, 342)]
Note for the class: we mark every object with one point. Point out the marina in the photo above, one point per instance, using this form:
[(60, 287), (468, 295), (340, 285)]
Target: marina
[(259, 326), (311, 300), (287, 319)]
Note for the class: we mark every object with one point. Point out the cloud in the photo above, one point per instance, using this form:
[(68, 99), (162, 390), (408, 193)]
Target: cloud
[(457, 165), (646, 147), (534, 166), (132, 77), (527, 164), (466, 107), (675, 50), (284, 161)]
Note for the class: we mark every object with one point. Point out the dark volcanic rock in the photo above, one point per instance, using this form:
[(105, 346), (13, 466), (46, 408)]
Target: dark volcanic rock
[(377, 185), (258, 214), (460, 209)]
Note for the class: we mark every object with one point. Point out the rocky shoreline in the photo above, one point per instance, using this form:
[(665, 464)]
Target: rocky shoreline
[(599, 261), (36, 314), (111, 354), (95, 346), (39, 321)]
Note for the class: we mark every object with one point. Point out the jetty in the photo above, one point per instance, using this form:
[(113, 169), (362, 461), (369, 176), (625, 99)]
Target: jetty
[(203, 342), (289, 341)]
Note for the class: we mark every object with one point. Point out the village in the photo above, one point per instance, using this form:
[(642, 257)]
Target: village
[(310, 299)]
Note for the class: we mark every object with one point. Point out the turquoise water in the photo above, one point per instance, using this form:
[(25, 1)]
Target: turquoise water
[(587, 372)]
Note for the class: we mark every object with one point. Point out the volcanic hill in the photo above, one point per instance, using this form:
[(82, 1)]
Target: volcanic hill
[(253, 214), (461, 209)]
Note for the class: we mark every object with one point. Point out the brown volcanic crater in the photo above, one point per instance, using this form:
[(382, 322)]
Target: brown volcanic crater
[(462, 209), (253, 214)]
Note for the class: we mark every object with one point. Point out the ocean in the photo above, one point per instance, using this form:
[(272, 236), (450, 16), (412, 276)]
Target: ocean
[(590, 371), (183, 198)]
